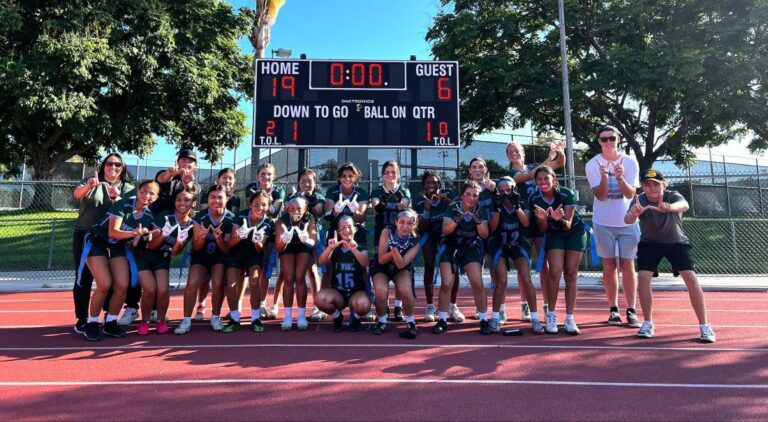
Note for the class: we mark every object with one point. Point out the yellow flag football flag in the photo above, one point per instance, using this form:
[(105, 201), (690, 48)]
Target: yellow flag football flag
[(272, 9)]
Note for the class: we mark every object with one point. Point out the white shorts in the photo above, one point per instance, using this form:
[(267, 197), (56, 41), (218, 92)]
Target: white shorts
[(609, 239)]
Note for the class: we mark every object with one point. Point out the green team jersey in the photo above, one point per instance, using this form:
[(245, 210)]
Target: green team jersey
[(436, 211), (206, 220), (526, 189), (168, 218), (347, 275), (277, 194), (266, 226), (507, 233), (465, 234), (334, 194), (233, 203), (303, 224), (566, 198), (124, 209), (390, 200), (312, 199), (96, 203)]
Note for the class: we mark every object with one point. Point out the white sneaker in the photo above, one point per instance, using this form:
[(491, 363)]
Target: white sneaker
[(129, 315), (184, 327), (317, 314), (494, 324), (273, 311), (216, 323), (707, 335), (646, 330), (287, 324), (200, 314), (551, 324), (302, 324), (536, 326), (371, 316), (525, 312), (502, 317), (571, 328), (455, 314), (429, 315), (476, 315)]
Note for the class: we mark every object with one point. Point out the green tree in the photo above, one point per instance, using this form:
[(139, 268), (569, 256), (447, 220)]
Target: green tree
[(81, 77), (671, 75)]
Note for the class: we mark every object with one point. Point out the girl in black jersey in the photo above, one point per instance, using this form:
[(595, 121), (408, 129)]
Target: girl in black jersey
[(347, 259)]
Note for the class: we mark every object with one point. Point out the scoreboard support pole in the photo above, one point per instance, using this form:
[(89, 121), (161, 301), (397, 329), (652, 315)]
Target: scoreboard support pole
[(414, 169), (301, 161)]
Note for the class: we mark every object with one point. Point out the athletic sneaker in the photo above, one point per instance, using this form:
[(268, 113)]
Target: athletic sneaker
[(143, 328), (398, 314), (200, 314), (545, 308), (485, 327), (525, 312), (571, 328), (429, 315), (707, 334), (129, 315), (317, 314), (614, 319), (632, 320), (92, 331), (153, 316), (440, 327), (302, 324), (184, 327), (80, 326), (263, 313), (112, 329), (231, 327), (536, 326), (495, 325), (410, 333), (551, 325), (476, 315), (257, 326), (354, 323), (646, 330), (371, 316), (273, 311), (338, 323), (379, 328), (161, 327), (287, 324), (502, 317), (454, 314), (216, 323)]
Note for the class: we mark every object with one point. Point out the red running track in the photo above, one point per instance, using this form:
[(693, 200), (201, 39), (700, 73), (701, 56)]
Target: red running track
[(604, 374)]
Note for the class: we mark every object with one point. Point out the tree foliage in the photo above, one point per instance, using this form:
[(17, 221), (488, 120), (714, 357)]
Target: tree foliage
[(78, 77), (672, 75)]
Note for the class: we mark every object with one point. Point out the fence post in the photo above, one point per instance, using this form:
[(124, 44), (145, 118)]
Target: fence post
[(759, 188), (690, 189), (735, 251), (21, 190), (727, 190), (51, 243)]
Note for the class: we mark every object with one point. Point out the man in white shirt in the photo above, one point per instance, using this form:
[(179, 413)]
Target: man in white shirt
[(613, 177)]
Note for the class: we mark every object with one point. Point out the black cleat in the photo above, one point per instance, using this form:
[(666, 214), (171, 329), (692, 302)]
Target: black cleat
[(257, 326), (440, 327), (80, 326), (231, 326), (92, 331), (338, 324), (379, 328), (398, 314), (410, 333), (113, 330), (485, 327), (355, 323)]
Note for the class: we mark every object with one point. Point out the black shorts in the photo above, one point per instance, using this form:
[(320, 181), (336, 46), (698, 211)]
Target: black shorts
[(347, 294), (152, 260), (678, 254), (100, 247), (297, 248), (389, 269), (245, 259), (208, 260)]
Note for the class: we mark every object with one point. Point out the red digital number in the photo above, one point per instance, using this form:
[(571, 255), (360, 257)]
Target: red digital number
[(289, 83), (444, 89), (374, 74), (295, 131), (358, 74), (274, 87), (271, 127), (429, 131), (337, 74), (442, 128)]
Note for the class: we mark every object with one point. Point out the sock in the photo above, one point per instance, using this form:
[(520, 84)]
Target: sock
[(111, 318), (215, 317), (551, 314), (255, 314), (187, 320), (569, 317), (302, 313), (398, 303), (614, 309), (288, 314), (495, 315), (235, 315), (631, 311), (701, 326), (93, 319), (649, 321), (410, 318), (336, 314), (263, 304), (535, 316), (503, 307), (483, 315), (383, 319), (443, 315)]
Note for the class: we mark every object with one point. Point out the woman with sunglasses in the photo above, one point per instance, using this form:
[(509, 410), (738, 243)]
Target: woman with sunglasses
[(96, 194)]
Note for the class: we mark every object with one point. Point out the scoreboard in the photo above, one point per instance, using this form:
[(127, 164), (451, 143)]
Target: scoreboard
[(356, 104)]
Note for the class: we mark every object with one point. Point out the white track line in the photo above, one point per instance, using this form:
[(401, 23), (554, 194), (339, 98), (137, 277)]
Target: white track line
[(513, 324), (118, 383), (386, 346), (580, 300), (688, 310)]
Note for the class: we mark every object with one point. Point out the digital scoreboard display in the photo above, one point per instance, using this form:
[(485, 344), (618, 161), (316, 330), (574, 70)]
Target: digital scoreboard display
[(356, 104)]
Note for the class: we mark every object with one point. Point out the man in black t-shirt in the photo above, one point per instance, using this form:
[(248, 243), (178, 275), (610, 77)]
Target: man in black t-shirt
[(177, 178)]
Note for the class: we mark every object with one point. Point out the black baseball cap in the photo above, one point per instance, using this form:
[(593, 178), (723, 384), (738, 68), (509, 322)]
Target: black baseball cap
[(652, 174), (187, 153)]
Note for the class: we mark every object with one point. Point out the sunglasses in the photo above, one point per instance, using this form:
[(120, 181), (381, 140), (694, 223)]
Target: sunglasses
[(113, 164), (608, 139)]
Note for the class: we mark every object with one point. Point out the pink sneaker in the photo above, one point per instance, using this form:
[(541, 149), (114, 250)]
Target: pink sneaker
[(143, 329), (161, 327)]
